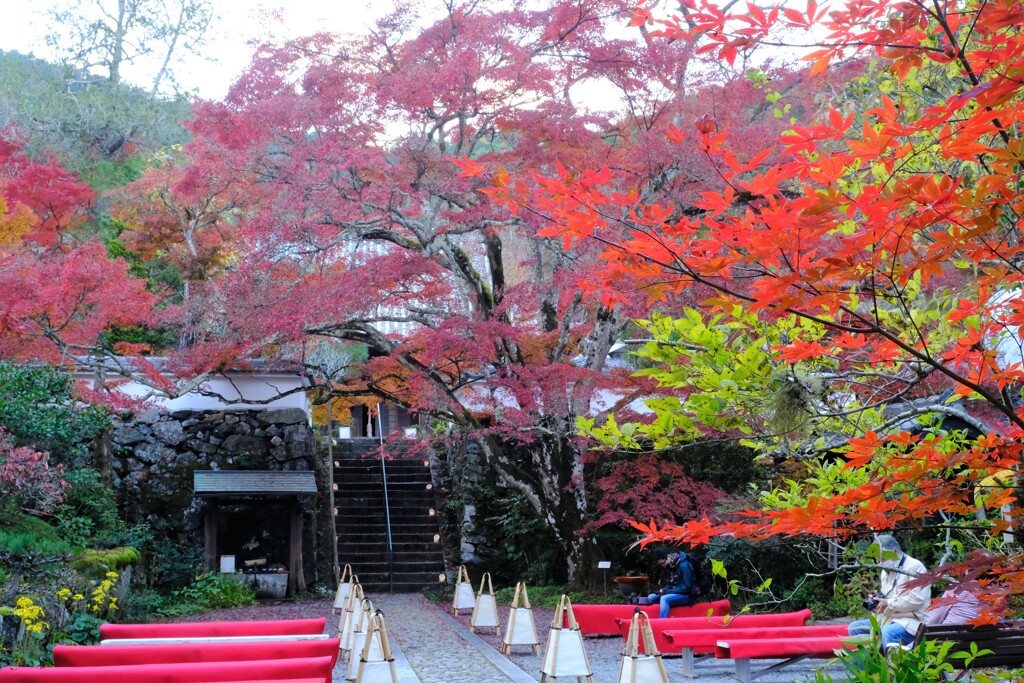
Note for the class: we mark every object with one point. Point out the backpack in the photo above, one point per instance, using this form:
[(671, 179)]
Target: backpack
[(701, 578)]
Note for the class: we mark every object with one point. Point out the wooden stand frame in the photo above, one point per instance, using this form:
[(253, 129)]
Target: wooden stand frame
[(485, 610), (344, 588), (513, 631), (654, 667), (347, 621), (377, 628), (564, 628), (463, 598)]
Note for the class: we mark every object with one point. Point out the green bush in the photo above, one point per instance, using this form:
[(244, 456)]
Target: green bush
[(89, 514), (18, 523), (82, 629), (141, 605), (210, 591), (926, 663), (23, 545), (172, 564), (825, 599)]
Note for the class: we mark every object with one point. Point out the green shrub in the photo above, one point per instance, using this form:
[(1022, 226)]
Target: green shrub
[(89, 513), (81, 629), (31, 546), (825, 599), (141, 605), (926, 663), (19, 524), (172, 564), (210, 591)]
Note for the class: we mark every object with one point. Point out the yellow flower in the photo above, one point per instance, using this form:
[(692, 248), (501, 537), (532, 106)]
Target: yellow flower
[(111, 575), (78, 596), (63, 594)]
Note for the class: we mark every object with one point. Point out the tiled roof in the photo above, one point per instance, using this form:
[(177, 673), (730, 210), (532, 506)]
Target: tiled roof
[(212, 483)]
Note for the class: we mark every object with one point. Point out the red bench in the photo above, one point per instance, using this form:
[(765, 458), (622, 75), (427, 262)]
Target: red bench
[(790, 650), (689, 642), (600, 620), (316, 668), (666, 646), (181, 653), (208, 629)]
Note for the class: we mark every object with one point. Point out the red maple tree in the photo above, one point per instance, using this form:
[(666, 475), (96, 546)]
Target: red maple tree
[(367, 231), (854, 224), (58, 289)]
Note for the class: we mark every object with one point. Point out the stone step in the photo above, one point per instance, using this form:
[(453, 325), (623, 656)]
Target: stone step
[(420, 552), (381, 536), (347, 480), (361, 523), (420, 563)]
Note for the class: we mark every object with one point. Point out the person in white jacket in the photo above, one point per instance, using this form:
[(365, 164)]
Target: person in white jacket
[(900, 609)]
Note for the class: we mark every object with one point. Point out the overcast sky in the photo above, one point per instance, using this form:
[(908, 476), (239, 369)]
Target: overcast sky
[(23, 28)]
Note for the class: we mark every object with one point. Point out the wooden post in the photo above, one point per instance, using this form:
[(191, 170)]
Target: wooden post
[(296, 580), (210, 520)]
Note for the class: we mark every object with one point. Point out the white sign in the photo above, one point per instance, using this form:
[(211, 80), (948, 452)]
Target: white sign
[(604, 565)]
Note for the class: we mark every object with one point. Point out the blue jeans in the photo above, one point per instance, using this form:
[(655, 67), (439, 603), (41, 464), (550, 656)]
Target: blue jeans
[(892, 633), (667, 602)]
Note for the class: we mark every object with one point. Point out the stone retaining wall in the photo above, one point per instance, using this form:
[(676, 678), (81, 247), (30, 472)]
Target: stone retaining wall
[(152, 458)]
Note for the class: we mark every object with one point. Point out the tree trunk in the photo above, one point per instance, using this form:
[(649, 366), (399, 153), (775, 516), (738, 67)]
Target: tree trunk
[(580, 551), (549, 473)]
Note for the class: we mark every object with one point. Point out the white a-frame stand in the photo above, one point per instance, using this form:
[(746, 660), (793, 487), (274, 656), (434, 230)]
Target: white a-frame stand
[(463, 592), (347, 622), (565, 656), (344, 588), (376, 664), (637, 667), (485, 611), (521, 629)]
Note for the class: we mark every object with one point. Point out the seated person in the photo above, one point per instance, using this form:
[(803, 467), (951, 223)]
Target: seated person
[(679, 584), (957, 607), (900, 609)]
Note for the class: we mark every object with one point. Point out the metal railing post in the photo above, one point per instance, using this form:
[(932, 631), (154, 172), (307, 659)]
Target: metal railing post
[(387, 506)]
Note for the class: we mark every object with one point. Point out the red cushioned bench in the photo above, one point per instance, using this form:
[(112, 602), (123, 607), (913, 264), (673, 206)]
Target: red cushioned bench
[(689, 642), (213, 639), (318, 668), (789, 650), (666, 646), (600, 620), (181, 653), (208, 629)]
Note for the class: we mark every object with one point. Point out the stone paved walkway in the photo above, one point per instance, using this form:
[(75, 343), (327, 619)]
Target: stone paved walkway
[(432, 646), (430, 643)]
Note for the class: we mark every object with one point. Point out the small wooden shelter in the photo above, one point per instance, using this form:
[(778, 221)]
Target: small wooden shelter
[(253, 487)]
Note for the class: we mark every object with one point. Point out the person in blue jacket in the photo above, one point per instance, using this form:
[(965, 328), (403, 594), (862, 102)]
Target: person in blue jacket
[(678, 588)]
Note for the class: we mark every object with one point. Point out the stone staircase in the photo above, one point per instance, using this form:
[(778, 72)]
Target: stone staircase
[(361, 524)]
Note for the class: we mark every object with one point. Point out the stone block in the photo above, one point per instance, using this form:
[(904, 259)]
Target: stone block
[(238, 444), (169, 432), (283, 416), (149, 416)]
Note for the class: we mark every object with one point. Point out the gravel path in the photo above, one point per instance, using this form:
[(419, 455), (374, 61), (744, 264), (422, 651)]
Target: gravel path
[(431, 645)]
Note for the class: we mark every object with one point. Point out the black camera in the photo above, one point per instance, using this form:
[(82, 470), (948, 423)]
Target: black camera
[(871, 603)]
